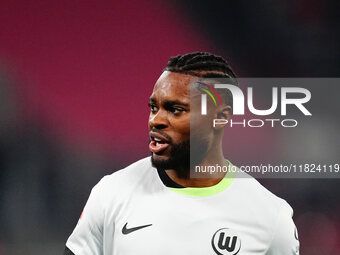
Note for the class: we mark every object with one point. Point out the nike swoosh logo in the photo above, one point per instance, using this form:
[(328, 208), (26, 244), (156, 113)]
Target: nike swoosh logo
[(126, 230)]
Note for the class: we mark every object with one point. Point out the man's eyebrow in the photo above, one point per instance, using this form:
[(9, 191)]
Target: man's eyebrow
[(174, 102), (170, 102)]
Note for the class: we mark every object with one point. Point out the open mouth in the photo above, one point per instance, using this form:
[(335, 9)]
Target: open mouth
[(157, 143)]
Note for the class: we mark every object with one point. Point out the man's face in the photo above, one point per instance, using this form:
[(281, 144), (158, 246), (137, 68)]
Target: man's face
[(169, 121)]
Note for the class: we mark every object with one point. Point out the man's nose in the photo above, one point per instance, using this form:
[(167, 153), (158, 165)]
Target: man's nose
[(158, 120)]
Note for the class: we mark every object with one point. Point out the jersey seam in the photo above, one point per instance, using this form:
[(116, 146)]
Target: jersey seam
[(98, 189)]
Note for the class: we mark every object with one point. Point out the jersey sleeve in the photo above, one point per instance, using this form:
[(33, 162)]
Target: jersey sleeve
[(285, 238), (87, 237)]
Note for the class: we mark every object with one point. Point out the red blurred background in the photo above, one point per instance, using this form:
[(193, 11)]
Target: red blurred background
[(75, 77)]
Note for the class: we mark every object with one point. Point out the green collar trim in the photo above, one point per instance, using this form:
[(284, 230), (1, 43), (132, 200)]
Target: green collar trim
[(208, 191)]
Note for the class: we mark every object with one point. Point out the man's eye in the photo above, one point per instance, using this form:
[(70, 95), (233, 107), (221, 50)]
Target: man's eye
[(152, 107), (177, 110)]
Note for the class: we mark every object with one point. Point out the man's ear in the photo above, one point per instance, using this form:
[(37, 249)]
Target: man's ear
[(224, 112)]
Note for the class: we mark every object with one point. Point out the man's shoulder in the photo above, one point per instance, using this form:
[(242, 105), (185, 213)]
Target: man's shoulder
[(128, 176), (135, 169), (259, 196)]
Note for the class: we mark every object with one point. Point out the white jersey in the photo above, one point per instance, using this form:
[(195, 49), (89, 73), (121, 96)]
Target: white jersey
[(132, 212)]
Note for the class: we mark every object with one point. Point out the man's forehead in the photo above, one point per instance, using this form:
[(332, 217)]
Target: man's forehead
[(173, 84)]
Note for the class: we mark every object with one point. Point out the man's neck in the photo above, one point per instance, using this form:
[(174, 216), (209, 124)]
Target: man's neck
[(203, 178)]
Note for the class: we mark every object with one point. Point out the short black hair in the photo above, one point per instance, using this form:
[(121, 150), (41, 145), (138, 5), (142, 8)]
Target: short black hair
[(205, 65)]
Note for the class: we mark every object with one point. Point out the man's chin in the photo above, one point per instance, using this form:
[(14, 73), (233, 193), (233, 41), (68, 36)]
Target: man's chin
[(166, 162), (160, 161), (176, 157), (162, 155)]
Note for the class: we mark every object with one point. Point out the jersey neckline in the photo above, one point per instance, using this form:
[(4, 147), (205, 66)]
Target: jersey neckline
[(198, 191)]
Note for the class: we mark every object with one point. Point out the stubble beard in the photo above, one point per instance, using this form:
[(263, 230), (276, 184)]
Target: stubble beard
[(181, 158)]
